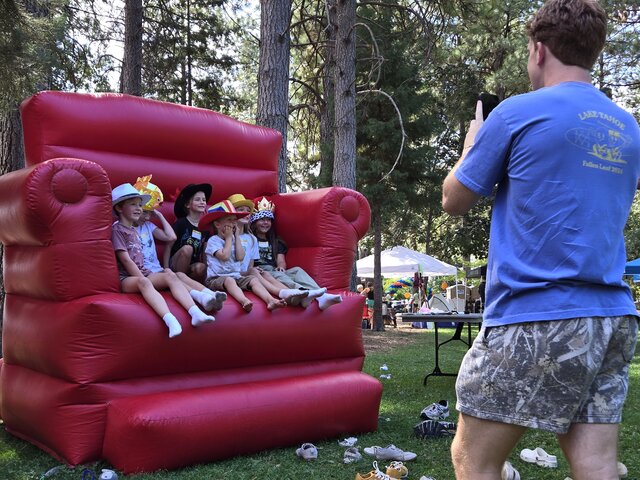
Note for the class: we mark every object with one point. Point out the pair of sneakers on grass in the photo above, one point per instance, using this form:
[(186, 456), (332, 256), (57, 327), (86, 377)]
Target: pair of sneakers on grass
[(395, 470), (433, 425)]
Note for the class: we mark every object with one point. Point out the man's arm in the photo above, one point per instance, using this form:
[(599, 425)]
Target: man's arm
[(456, 198)]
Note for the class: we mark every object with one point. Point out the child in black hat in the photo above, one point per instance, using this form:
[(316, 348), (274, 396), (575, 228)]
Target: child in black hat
[(186, 253)]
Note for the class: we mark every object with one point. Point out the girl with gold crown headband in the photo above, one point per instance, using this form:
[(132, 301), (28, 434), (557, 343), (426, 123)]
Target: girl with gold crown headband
[(149, 233), (272, 250)]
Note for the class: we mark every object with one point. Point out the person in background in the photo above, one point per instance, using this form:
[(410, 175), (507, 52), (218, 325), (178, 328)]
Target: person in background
[(560, 327)]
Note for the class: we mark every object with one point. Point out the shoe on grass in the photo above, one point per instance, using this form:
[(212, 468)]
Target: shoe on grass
[(397, 470), (434, 429), (436, 411), (390, 452), (509, 473), (374, 474), (539, 457), (307, 451), (622, 470), (351, 455), (348, 442)]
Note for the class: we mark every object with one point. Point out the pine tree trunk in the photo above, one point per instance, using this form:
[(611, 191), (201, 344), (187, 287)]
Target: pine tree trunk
[(273, 75), (344, 166), (131, 75), (11, 158), (327, 110), (378, 321)]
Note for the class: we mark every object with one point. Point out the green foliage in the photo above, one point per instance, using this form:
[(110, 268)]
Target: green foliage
[(187, 52), (28, 48)]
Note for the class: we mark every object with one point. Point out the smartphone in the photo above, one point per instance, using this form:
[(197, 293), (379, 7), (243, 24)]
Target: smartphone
[(489, 102)]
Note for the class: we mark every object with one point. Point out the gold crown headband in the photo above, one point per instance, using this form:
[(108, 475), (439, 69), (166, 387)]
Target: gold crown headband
[(265, 205), (264, 209), (144, 186)]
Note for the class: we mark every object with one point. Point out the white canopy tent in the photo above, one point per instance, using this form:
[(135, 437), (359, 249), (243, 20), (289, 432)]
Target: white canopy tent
[(402, 261)]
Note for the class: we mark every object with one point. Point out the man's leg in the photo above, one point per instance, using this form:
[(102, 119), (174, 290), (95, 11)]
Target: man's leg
[(480, 447), (591, 450)]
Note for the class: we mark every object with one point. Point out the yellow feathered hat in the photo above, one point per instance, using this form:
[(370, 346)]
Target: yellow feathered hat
[(144, 186)]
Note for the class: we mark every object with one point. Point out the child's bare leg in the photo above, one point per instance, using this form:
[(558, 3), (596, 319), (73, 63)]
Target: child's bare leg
[(209, 299), (291, 295), (155, 301), (258, 272), (264, 295), (181, 260), (197, 271), (169, 280), (236, 292)]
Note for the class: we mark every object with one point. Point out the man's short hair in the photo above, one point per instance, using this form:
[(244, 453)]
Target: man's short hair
[(574, 30)]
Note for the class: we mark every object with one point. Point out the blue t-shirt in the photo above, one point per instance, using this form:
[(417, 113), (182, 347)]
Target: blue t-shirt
[(566, 160)]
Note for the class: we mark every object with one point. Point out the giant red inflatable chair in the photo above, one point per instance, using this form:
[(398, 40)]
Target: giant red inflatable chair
[(90, 372)]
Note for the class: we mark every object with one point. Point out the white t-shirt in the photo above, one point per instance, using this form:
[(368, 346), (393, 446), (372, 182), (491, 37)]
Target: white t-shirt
[(251, 252), (145, 231), (216, 267)]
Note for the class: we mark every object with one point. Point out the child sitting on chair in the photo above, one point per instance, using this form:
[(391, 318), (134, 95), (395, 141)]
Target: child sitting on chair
[(251, 253), (127, 203), (224, 256), (149, 233), (272, 258), (185, 253)]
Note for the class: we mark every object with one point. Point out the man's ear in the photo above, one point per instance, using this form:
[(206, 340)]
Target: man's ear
[(540, 52)]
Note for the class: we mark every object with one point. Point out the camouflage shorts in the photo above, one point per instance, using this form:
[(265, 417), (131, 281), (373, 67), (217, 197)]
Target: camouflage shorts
[(550, 374)]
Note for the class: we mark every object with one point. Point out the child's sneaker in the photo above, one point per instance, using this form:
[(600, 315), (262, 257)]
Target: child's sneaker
[(434, 429), (397, 470), (508, 472), (390, 452), (374, 474), (351, 455), (436, 411), (307, 451)]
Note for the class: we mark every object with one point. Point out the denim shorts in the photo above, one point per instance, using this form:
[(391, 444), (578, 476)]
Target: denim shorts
[(549, 374)]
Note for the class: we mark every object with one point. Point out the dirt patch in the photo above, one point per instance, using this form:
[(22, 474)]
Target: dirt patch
[(389, 339)]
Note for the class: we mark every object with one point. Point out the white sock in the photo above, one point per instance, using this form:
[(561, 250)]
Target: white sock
[(288, 293), (174, 326), (318, 292), (198, 317), (328, 299), (208, 299)]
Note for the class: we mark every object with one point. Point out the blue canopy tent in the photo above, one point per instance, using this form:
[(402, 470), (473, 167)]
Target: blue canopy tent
[(632, 267)]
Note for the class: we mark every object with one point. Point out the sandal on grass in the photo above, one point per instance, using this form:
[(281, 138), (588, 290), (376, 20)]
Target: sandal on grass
[(539, 457)]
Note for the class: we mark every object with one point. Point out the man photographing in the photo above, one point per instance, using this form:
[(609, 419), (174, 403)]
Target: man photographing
[(560, 326)]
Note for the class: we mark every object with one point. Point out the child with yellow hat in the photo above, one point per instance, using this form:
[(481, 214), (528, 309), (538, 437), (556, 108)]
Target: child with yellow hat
[(149, 233), (127, 203)]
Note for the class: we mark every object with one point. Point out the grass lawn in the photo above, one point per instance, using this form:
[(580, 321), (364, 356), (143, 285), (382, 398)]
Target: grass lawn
[(408, 354)]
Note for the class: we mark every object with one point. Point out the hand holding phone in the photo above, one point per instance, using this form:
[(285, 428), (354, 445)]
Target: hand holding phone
[(489, 102)]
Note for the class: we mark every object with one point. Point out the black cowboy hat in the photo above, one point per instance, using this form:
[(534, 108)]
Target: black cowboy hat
[(179, 208)]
